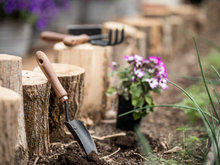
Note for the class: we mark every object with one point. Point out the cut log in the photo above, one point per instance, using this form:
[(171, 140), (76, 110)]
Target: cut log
[(72, 79), (131, 45), (95, 61), (153, 27), (10, 104), (176, 21), (11, 77), (36, 94)]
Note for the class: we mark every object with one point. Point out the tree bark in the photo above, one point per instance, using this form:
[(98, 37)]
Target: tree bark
[(36, 94), (72, 79), (11, 77), (10, 104), (95, 61)]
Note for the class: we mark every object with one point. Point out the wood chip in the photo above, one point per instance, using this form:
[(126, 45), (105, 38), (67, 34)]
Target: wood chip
[(36, 160), (108, 136), (110, 121), (105, 157), (175, 149)]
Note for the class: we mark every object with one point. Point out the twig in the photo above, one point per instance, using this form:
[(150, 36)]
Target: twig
[(141, 156), (108, 136), (54, 155), (105, 157), (66, 145), (36, 160), (111, 121), (164, 146)]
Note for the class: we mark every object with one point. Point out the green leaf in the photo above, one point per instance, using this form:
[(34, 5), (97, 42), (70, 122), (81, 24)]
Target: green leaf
[(148, 99), (111, 91), (134, 101), (192, 139), (137, 115), (183, 129), (113, 73), (136, 90)]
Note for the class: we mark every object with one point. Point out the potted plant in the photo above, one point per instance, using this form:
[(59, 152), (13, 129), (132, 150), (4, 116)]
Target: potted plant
[(137, 80), (17, 18)]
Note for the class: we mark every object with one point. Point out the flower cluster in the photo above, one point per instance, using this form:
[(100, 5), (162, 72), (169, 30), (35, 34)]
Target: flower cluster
[(43, 10), (151, 70), (138, 79)]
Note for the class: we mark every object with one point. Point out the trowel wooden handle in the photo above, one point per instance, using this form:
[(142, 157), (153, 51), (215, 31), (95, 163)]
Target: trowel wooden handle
[(49, 72), (75, 40), (52, 36)]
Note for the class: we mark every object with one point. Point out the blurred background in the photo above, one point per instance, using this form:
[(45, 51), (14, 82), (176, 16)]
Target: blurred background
[(22, 21)]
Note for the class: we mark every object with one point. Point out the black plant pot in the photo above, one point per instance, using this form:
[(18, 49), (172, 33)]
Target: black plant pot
[(127, 122)]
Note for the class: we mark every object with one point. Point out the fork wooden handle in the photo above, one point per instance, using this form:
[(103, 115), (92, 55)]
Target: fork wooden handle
[(52, 36), (49, 72), (75, 40)]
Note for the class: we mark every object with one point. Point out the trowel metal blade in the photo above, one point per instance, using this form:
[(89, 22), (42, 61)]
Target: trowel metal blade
[(82, 135)]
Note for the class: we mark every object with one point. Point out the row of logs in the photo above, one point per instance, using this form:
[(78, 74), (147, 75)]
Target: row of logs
[(31, 111)]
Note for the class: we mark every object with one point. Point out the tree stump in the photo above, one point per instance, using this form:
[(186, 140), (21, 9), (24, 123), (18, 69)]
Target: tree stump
[(95, 61), (11, 77), (176, 20), (10, 104), (72, 79), (36, 94), (153, 27), (131, 45)]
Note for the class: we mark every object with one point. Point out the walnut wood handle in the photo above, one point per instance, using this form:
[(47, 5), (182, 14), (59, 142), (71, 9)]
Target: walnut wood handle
[(75, 40), (49, 72), (52, 36)]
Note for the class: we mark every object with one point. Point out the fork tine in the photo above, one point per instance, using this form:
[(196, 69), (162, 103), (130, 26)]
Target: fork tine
[(122, 36), (116, 37), (109, 37)]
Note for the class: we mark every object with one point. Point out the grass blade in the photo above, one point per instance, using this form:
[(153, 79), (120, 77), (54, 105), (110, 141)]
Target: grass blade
[(205, 83)]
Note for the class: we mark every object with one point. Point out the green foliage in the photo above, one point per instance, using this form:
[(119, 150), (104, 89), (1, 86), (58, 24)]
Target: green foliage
[(111, 91), (183, 129), (209, 125), (212, 58), (199, 94), (192, 139), (198, 90)]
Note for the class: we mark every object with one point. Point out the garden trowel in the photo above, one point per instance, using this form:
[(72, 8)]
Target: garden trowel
[(76, 127)]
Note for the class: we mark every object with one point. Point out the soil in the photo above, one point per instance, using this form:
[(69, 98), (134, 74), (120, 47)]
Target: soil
[(159, 127)]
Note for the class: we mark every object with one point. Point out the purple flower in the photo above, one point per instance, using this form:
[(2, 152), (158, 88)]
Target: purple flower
[(162, 71), (133, 78), (151, 70), (146, 61), (153, 82), (138, 64), (138, 58), (163, 84), (44, 10), (113, 65), (156, 60), (128, 58), (140, 73)]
